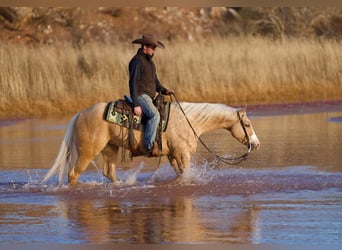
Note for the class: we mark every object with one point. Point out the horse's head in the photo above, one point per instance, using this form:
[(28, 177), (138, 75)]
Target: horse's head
[(243, 131)]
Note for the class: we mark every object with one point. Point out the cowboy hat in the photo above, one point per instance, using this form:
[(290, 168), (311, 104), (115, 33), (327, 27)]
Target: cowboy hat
[(149, 39)]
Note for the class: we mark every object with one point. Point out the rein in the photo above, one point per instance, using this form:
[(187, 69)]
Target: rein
[(232, 160)]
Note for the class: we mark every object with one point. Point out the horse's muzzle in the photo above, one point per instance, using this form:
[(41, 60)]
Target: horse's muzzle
[(254, 142)]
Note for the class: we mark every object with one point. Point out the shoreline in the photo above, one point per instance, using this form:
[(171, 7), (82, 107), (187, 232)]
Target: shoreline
[(272, 109), (294, 108)]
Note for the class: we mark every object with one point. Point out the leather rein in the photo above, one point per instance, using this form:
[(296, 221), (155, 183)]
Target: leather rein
[(231, 160)]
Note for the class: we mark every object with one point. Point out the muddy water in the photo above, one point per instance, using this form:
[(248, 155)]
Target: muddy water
[(290, 191)]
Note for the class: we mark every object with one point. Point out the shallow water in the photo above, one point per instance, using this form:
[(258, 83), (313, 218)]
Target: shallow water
[(290, 191)]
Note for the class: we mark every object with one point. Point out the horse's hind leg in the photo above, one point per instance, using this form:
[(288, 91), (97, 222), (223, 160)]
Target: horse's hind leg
[(110, 155), (80, 166), (91, 135)]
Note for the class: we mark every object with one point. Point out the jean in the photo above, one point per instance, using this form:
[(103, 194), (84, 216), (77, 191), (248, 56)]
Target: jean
[(153, 118)]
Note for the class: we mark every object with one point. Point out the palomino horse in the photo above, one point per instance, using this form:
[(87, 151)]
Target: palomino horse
[(88, 134)]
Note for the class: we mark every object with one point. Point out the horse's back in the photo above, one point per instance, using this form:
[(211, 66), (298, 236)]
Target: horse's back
[(93, 114), (96, 109)]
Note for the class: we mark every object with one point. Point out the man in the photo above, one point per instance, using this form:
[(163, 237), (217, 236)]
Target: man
[(144, 85)]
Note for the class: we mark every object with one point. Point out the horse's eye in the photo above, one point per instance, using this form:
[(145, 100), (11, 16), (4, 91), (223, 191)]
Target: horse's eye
[(247, 125)]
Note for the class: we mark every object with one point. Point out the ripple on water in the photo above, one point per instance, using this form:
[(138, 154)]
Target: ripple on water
[(337, 119)]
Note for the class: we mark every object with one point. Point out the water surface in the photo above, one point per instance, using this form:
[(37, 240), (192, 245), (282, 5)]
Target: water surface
[(290, 191)]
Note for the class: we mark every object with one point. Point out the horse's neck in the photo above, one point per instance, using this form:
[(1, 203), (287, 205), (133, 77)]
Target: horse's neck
[(207, 117)]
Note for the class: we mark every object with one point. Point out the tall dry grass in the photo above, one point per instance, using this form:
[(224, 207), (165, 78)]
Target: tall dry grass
[(60, 79), (255, 70)]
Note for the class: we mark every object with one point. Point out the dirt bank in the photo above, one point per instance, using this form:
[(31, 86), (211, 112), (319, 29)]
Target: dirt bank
[(47, 25)]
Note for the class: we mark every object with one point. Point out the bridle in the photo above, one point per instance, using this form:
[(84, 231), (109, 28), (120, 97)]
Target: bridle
[(249, 145), (232, 160)]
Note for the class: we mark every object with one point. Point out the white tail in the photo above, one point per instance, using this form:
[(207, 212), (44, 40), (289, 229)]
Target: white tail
[(67, 154)]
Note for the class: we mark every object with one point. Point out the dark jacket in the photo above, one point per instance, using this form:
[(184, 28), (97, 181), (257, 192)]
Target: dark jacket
[(143, 77)]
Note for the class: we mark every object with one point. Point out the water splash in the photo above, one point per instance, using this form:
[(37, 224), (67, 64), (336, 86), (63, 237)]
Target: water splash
[(198, 173), (203, 173), (130, 178), (164, 173)]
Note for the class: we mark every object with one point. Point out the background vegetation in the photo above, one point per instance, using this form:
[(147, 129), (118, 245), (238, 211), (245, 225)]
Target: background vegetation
[(60, 79), (250, 56)]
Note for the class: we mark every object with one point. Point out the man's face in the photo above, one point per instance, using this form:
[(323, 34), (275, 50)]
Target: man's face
[(149, 49)]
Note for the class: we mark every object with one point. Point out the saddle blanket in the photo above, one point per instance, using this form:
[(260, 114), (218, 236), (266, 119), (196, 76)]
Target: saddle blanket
[(121, 112), (121, 117)]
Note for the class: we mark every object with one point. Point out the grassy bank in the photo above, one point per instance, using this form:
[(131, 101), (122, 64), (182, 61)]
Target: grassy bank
[(60, 79)]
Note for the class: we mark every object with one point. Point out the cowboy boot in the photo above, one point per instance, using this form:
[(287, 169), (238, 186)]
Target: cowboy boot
[(155, 149)]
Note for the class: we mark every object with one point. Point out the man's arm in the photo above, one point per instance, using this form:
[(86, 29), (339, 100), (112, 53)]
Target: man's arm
[(160, 87), (135, 70)]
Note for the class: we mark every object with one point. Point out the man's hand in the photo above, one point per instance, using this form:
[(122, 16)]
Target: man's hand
[(138, 111), (169, 92)]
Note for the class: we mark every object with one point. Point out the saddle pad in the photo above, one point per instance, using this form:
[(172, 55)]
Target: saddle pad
[(122, 117)]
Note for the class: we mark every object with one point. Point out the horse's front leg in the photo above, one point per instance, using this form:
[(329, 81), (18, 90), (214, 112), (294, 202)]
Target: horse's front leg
[(183, 165), (174, 165)]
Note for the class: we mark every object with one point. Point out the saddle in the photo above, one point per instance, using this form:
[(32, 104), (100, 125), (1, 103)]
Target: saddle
[(121, 113)]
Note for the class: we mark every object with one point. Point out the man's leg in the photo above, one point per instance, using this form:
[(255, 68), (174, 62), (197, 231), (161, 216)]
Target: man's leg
[(153, 119)]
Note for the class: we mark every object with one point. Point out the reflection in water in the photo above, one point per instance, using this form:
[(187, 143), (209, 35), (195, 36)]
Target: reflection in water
[(138, 222), (289, 217), (99, 221), (175, 220)]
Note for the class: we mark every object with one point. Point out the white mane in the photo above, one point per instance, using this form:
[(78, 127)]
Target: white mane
[(203, 111)]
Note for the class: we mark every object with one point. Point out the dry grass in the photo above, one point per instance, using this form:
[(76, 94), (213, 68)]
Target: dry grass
[(255, 70), (60, 80)]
